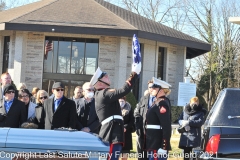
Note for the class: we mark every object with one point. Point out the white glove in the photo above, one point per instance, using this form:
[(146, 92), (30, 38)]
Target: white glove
[(185, 123), (187, 128), (136, 67), (161, 151), (180, 122)]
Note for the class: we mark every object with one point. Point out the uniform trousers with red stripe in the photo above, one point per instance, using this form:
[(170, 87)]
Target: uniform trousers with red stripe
[(115, 151), (152, 155)]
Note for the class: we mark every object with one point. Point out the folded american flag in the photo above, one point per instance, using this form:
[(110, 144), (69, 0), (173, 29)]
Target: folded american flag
[(136, 54)]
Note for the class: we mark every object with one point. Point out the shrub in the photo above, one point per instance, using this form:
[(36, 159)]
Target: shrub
[(130, 98), (176, 111)]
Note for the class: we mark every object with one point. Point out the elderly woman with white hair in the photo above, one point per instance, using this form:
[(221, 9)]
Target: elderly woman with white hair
[(20, 86), (42, 95)]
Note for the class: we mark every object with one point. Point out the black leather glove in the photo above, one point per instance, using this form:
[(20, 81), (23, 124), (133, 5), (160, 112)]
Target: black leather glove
[(132, 78), (2, 117)]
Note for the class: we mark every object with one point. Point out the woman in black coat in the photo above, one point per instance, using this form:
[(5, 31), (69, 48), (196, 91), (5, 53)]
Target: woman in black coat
[(128, 119), (192, 118), (42, 95)]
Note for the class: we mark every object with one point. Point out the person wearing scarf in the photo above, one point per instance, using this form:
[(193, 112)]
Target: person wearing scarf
[(42, 95), (24, 96), (192, 118)]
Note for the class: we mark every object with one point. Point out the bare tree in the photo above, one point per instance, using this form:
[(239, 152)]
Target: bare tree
[(207, 20), (162, 11), (15, 3), (210, 21), (2, 5)]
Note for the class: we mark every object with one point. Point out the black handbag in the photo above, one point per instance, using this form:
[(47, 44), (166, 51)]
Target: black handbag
[(181, 129)]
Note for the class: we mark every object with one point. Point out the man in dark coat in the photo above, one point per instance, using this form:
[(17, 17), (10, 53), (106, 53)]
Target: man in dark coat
[(109, 111), (59, 111), (140, 120), (87, 116), (12, 111), (78, 94)]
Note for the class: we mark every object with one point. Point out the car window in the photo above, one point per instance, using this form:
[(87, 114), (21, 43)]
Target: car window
[(217, 103), (227, 104)]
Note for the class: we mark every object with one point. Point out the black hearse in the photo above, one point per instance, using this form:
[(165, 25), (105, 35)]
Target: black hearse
[(221, 130)]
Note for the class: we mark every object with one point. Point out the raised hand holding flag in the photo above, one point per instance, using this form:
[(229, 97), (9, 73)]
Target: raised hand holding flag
[(136, 55)]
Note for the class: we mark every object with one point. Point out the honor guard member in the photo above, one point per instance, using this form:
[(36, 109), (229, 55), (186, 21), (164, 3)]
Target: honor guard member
[(109, 111), (158, 127)]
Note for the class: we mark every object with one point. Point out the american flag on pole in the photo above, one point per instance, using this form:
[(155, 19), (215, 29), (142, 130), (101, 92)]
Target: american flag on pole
[(48, 47), (136, 54)]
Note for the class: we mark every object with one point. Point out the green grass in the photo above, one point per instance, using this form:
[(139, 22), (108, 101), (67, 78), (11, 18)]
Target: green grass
[(175, 152), (174, 143), (134, 139)]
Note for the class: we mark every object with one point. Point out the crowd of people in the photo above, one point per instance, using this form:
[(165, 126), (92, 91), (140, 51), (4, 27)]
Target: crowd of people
[(101, 110)]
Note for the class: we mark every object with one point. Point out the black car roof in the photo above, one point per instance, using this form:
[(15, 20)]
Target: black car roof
[(227, 104)]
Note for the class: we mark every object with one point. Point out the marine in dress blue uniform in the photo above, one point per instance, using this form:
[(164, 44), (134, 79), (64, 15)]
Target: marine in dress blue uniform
[(107, 106), (158, 122), (109, 111)]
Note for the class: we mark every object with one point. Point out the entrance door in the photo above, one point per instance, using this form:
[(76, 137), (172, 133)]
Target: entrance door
[(5, 54)]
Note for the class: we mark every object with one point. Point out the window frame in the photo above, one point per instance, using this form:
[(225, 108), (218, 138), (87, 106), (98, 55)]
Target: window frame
[(54, 70)]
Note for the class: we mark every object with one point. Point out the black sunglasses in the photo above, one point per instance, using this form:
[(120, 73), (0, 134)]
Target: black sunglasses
[(9, 92), (44, 97), (90, 89), (102, 75), (59, 90), (26, 96)]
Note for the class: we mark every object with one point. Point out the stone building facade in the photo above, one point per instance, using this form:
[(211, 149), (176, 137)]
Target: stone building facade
[(24, 31), (26, 52)]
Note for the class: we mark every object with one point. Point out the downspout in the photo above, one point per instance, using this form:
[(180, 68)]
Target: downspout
[(155, 63)]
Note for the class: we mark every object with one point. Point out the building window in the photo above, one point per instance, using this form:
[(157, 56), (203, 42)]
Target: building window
[(71, 55), (71, 61), (160, 62)]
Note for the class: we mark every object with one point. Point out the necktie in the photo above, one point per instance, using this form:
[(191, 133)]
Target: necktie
[(56, 103), (7, 106), (152, 99)]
